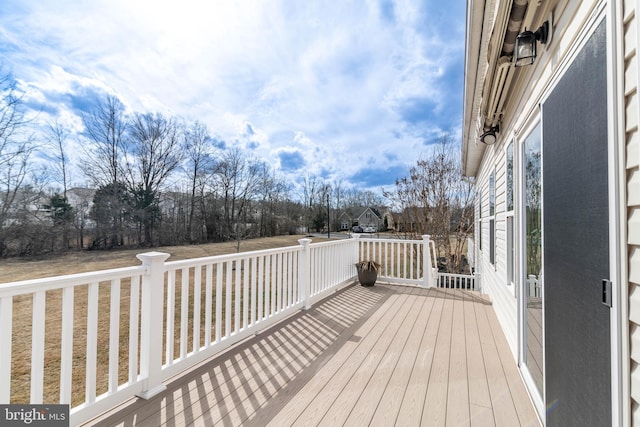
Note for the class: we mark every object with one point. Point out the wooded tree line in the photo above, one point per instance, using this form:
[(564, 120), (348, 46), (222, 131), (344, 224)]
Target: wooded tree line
[(155, 180)]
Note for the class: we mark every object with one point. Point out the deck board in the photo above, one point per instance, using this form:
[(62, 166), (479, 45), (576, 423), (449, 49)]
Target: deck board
[(458, 411), (415, 395), (386, 355), (324, 380), (434, 410), (357, 361), (389, 394), (498, 386), (388, 407), (517, 390), (478, 387), (361, 395)]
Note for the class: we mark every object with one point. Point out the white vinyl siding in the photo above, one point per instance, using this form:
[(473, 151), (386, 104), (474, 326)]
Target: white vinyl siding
[(494, 276)]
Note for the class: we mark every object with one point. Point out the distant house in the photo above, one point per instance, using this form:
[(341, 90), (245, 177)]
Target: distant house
[(26, 206), (362, 216), (347, 218), (32, 206), (371, 217), (81, 200)]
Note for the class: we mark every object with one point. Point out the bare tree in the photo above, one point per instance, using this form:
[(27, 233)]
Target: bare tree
[(310, 186), (338, 194), (81, 209), (106, 129), (16, 147), (57, 137), (62, 213), (155, 154), (104, 160), (321, 209), (200, 163), (435, 199), (272, 191), (353, 197), (237, 180)]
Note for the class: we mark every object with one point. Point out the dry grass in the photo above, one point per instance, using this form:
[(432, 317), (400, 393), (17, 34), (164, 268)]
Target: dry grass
[(22, 269), (15, 269)]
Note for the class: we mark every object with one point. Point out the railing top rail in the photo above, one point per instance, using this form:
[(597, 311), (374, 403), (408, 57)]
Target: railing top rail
[(230, 257), (377, 239), (332, 243), (69, 280)]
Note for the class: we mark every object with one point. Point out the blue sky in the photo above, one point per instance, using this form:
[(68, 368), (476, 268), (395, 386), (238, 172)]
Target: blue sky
[(351, 91)]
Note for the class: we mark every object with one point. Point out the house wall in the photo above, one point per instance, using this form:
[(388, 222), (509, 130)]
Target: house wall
[(494, 276), (630, 9), (521, 108), (521, 111), (369, 219)]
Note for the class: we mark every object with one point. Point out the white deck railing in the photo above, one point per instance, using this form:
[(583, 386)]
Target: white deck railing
[(402, 261), (64, 290), (533, 286), (471, 253), (456, 281), (132, 328)]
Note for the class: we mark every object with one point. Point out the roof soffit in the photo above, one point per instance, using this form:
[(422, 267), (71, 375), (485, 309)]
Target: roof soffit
[(501, 21)]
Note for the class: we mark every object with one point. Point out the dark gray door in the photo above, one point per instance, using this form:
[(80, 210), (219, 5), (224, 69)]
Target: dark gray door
[(576, 242)]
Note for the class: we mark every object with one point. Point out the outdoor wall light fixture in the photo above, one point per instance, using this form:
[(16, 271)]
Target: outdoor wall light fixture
[(489, 137), (525, 49)]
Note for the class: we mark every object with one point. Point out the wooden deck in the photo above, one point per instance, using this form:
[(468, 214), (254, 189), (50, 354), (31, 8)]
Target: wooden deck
[(380, 356)]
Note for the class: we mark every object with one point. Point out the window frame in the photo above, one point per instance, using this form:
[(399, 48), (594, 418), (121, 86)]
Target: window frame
[(480, 220), (510, 218), (492, 217)]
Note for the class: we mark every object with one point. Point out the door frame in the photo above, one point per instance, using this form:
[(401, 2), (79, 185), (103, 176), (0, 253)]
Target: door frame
[(521, 282), (611, 13), (620, 363)]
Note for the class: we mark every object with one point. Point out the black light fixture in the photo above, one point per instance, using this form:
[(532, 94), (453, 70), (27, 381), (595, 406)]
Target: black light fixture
[(489, 137), (525, 49)]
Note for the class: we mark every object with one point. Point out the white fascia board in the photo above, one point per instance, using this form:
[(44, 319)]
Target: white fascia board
[(480, 14)]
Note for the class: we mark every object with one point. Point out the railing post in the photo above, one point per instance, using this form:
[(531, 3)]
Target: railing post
[(6, 320), (357, 247), (151, 330), (426, 262), (305, 273)]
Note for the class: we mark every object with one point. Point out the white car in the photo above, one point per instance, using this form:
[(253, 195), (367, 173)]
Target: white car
[(369, 230)]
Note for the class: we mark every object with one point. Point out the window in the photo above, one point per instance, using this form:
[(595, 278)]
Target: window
[(510, 177), (492, 194), (492, 218), (480, 220), (509, 216), (533, 203)]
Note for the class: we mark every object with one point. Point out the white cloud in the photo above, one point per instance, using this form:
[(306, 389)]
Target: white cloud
[(340, 79)]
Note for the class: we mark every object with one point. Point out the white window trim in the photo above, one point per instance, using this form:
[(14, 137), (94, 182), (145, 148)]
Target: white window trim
[(493, 218), (511, 284)]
